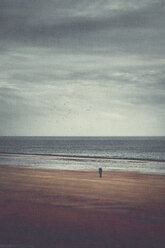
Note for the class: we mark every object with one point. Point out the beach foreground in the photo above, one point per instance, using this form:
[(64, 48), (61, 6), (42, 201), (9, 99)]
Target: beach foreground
[(55, 208)]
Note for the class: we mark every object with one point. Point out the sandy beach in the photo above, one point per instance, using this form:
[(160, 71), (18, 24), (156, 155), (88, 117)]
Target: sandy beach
[(56, 208)]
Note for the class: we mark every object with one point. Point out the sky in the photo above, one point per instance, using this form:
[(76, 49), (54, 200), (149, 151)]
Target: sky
[(82, 68)]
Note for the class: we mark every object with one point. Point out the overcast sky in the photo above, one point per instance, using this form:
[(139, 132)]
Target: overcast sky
[(80, 67)]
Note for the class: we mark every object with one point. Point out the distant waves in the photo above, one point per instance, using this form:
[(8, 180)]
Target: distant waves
[(82, 157)]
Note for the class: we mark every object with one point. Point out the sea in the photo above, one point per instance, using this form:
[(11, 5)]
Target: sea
[(140, 154)]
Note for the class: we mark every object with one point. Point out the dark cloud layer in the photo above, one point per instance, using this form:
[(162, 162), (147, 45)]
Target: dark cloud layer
[(21, 20), (72, 67)]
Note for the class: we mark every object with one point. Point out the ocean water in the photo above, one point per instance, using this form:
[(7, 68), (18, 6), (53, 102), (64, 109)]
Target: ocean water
[(143, 154)]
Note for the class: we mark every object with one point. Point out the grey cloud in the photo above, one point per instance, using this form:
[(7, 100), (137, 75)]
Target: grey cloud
[(132, 19), (109, 32), (149, 98), (20, 21)]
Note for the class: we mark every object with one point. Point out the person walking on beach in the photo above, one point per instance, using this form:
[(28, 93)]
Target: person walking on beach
[(100, 172)]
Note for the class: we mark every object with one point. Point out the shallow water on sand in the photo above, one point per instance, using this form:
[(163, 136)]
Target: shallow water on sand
[(144, 154)]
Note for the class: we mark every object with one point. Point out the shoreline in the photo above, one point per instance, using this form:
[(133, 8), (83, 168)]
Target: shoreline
[(60, 208), (84, 163), (95, 170)]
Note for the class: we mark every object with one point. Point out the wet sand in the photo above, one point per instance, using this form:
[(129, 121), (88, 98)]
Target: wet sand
[(75, 209)]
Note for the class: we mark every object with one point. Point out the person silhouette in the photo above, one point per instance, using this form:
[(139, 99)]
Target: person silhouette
[(100, 172)]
